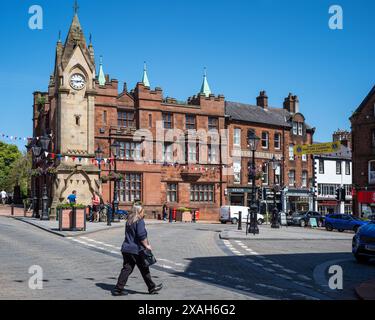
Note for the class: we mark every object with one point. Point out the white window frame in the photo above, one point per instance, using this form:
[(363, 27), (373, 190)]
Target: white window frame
[(295, 128), (266, 174), (267, 140), (237, 137), (278, 135), (300, 128), (294, 178), (304, 157), (304, 179), (291, 152)]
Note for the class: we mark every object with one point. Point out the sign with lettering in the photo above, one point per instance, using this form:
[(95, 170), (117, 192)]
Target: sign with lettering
[(320, 148), (258, 155), (313, 223)]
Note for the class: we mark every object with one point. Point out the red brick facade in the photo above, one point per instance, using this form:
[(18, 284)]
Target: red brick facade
[(363, 147)]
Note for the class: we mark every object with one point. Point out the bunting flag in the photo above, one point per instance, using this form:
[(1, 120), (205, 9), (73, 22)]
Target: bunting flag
[(15, 138)]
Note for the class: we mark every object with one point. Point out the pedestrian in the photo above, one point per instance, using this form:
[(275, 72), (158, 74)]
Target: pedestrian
[(73, 198), (135, 242), (95, 207), (165, 212), (3, 195)]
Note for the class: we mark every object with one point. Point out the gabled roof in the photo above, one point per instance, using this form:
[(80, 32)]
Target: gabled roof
[(364, 102), (255, 114)]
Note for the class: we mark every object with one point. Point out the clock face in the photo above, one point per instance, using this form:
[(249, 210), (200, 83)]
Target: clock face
[(77, 81)]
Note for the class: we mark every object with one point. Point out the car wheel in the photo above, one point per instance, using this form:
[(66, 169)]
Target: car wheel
[(223, 222), (260, 222), (340, 230), (234, 221), (329, 227), (302, 223), (361, 259)]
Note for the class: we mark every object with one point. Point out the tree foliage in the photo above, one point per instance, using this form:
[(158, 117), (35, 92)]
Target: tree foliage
[(20, 174), (8, 155)]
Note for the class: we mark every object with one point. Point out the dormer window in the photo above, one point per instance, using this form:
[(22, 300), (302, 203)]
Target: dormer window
[(295, 128), (300, 128)]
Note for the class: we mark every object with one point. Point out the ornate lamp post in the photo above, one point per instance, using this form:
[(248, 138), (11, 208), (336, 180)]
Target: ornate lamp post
[(45, 142), (253, 142), (276, 187), (36, 151), (115, 151)]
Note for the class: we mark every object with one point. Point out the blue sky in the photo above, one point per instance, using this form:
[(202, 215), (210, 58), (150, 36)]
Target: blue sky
[(246, 45)]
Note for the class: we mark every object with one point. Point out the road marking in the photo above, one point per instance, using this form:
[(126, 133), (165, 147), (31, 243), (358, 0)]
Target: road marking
[(269, 270)]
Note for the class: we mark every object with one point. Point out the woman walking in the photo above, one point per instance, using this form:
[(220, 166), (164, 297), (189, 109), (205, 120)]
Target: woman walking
[(135, 242)]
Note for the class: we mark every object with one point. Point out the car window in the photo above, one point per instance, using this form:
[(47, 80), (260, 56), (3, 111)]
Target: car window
[(336, 216), (346, 217)]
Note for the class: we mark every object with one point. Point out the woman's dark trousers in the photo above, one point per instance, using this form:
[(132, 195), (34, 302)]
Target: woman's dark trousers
[(130, 261)]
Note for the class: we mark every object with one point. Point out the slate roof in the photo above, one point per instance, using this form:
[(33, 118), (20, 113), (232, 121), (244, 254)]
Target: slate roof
[(345, 153), (250, 113)]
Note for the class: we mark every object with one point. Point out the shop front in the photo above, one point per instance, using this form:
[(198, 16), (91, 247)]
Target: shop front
[(239, 196), (297, 200), (366, 203)]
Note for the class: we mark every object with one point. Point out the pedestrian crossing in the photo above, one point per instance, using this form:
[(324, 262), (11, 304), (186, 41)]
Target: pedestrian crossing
[(180, 268)]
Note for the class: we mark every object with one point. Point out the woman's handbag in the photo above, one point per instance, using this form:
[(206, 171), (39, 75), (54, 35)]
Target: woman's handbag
[(148, 257)]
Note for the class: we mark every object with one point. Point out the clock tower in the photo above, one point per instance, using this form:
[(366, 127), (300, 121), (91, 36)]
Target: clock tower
[(72, 100)]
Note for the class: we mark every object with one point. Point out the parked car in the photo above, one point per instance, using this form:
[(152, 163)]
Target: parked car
[(302, 219), (364, 243), (371, 218), (231, 214), (343, 222)]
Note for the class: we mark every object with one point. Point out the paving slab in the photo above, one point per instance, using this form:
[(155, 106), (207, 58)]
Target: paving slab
[(285, 233)]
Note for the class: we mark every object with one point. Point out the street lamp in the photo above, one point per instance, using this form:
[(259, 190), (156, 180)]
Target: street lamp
[(253, 142), (275, 212), (37, 150), (45, 142), (115, 151)]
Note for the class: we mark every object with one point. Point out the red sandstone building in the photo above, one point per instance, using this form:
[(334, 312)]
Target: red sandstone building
[(85, 111), (363, 144)]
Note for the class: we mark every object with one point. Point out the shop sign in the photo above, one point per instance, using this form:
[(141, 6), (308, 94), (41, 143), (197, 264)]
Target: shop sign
[(366, 196)]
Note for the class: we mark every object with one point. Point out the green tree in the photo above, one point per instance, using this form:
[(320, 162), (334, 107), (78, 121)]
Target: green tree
[(20, 174), (8, 155)]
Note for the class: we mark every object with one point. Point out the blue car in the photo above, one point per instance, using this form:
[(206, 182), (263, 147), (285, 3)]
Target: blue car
[(364, 243), (342, 222)]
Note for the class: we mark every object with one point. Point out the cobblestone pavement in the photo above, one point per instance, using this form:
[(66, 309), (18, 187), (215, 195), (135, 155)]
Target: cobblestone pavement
[(193, 263)]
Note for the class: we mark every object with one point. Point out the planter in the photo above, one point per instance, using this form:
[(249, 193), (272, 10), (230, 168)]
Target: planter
[(184, 216), (72, 219)]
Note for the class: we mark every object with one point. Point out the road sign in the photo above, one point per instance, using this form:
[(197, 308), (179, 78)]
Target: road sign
[(319, 148)]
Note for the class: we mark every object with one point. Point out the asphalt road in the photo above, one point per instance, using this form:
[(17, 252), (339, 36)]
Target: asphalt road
[(193, 263)]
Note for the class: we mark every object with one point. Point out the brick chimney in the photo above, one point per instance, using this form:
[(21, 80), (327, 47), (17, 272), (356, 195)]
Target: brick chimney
[(262, 100), (291, 103)]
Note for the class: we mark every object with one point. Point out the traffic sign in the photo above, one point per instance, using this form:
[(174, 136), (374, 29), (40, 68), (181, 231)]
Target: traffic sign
[(319, 148)]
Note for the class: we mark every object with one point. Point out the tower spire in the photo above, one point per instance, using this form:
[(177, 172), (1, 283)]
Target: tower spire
[(205, 86), (76, 7), (145, 80), (101, 75)]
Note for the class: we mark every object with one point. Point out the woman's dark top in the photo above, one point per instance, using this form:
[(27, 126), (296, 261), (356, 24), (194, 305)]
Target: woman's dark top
[(134, 234)]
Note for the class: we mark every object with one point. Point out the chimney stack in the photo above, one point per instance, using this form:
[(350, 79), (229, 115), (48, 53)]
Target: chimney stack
[(262, 100), (291, 103)]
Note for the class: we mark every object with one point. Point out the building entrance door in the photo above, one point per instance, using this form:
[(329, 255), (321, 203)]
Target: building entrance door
[(237, 199)]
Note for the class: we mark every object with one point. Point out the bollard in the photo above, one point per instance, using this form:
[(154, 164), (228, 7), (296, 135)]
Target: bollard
[(240, 220), (12, 209), (170, 215), (109, 215)]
